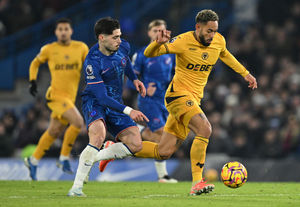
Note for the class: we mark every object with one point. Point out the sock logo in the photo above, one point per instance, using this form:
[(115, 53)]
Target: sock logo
[(200, 164)]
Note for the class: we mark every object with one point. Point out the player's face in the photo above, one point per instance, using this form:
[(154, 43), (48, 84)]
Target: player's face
[(206, 32), (112, 42), (63, 32), (153, 32)]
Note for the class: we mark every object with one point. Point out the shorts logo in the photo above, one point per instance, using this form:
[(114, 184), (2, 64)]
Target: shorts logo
[(64, 105), (204, 56), (89, 70), (189, 103), (93, 113)]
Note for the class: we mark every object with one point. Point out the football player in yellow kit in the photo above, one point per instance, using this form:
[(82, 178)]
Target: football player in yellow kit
[(65, 58), (196, 54)]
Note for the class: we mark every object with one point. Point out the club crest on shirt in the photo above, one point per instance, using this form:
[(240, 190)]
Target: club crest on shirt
[(204, 55), (123, 62)]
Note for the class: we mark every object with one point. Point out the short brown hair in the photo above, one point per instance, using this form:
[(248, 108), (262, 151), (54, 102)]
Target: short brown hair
[(157, 22), (206, 15)]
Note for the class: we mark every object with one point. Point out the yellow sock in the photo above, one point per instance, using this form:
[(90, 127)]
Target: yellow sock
[(197, 156), (69, 139), (44, 144), (150, 150)]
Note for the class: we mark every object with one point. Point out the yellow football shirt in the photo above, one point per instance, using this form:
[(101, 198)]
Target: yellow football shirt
[(65, 63), (194, 62)]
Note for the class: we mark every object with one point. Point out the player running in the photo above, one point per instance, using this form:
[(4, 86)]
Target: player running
[(65, 58), (196, 53), (105, 66), (156, 75)]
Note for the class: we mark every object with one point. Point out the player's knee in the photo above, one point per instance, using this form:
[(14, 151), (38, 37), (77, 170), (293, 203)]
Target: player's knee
[(166, 153), (204, 130), (136, 145), (55, 131), (78, 122)]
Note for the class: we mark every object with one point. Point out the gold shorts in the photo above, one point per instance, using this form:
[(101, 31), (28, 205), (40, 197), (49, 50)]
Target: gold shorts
[(59, 105), (182, 106)]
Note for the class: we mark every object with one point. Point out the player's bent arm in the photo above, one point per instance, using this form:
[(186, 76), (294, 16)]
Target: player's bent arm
[(233, 63), (100, 93), (42, 57), (155, 49), (33, 69)]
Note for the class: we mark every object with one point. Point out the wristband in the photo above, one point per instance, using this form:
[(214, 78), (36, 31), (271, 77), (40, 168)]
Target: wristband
[(127, 110)]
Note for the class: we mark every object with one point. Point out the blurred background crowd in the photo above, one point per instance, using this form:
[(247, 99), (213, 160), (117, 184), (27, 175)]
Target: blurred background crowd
[(264, 123)]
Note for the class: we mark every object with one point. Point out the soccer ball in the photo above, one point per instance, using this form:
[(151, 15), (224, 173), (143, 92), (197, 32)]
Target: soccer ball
[(234, 174)]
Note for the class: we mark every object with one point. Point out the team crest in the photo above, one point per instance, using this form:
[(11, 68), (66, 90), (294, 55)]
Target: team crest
[(123, 62), (204, 56), (89, 70), (189, 103), (67, 57)]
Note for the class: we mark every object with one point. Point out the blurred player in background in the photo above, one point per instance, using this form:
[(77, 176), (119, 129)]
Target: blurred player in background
[(156, 75), (105, 66), (196, 53), (65, 58)]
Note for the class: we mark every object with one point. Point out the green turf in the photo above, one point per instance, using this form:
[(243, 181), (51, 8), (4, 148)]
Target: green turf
[(123, 194)]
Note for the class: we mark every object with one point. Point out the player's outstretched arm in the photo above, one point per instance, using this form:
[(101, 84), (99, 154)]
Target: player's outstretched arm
[(251, 80), (140, 87)]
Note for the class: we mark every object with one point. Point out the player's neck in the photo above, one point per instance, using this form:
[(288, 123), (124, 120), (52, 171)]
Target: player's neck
[(64, 43), (104, 51)]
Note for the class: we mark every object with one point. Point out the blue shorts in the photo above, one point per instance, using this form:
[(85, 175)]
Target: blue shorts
[(156, 113), (115, 122)]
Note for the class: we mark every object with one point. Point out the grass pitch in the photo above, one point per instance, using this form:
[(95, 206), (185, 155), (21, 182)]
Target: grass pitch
[(123, 194)]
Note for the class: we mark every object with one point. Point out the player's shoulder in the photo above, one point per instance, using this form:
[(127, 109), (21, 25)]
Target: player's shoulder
[(125, 47), (182, 36), (76, 43), (219, 37)]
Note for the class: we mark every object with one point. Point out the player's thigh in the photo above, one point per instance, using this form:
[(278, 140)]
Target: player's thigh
[(59, 105), (55, 127), (132, 138), (74, 117), (97, 133), (200, 125), (168, 144)]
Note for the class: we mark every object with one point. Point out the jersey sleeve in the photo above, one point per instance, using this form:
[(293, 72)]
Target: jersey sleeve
[(92, 72), (174, 46), (41, 58), (95, 84), (227, 58)]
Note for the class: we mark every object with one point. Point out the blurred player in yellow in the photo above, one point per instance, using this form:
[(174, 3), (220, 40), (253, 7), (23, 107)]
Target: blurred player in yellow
[(65, 58), (196, 54)]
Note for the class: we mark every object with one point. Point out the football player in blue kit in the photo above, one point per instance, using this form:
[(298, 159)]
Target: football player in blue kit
[(156, 75), (105, 66)]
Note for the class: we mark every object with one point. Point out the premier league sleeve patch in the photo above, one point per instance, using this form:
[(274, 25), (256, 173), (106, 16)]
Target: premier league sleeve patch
[(89, 72)]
